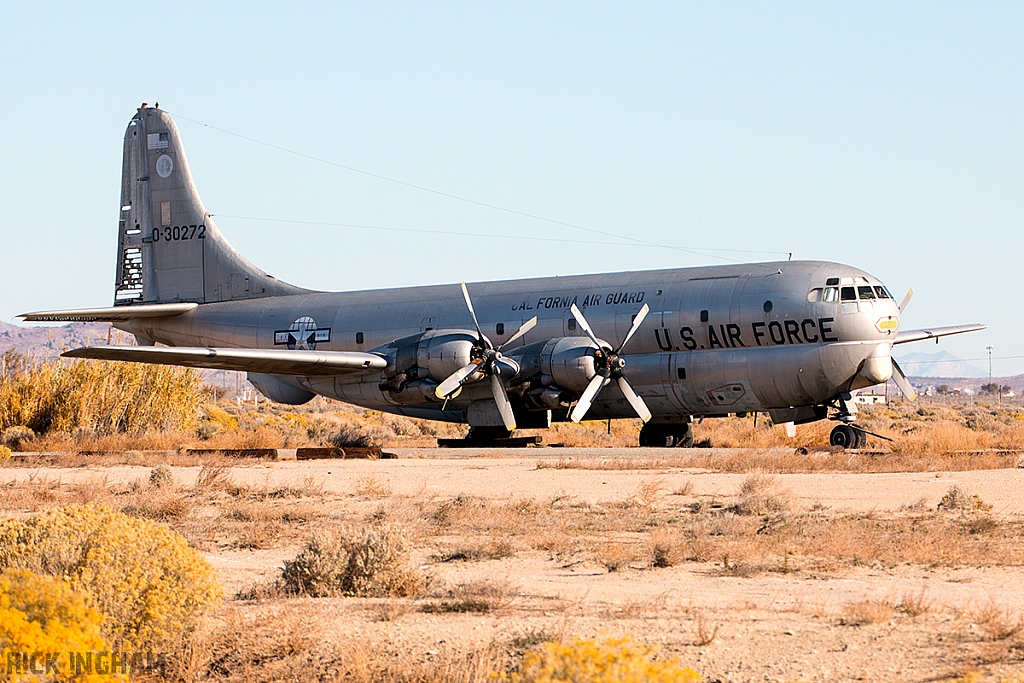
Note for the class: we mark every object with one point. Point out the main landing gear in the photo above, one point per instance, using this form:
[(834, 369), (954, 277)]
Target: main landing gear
[(666, 435)]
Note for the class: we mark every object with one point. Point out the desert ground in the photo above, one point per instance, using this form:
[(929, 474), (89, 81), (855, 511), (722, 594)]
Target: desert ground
[(853, 573)]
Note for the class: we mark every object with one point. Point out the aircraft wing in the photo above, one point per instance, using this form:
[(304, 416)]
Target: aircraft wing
[(904, 336), (112, 314), (270, 361)]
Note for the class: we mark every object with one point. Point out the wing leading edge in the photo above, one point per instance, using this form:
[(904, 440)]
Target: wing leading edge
[(905, 336), (112, 314), (269, 361)]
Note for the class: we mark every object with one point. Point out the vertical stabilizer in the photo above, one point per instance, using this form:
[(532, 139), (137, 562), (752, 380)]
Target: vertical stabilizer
[(169, 248)]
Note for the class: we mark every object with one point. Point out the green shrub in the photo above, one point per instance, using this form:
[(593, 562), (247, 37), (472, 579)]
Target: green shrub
[(151, 587), (161, 477), (368, 563)]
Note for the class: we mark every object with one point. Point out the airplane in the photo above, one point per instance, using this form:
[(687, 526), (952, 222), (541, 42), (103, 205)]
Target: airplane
[(790, 338)]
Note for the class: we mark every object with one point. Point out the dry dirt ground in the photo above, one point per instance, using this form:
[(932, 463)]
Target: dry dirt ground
[(824, 577)]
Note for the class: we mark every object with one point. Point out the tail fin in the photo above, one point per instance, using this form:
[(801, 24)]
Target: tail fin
[(169, 248)]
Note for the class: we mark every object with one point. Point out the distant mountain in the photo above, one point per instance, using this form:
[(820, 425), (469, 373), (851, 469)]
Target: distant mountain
[(938, 364), (48, 342)]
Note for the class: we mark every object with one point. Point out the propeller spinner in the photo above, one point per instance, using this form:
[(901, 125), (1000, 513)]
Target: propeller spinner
[(487, 361), (609, 366)]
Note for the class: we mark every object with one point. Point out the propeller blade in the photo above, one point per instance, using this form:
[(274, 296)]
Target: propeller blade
[(501, 400), (526, 327), (906, 299), (637, 319), (589, 394), (902, 382), (454, 381), (584, 324), (469, 305), (634, 400)]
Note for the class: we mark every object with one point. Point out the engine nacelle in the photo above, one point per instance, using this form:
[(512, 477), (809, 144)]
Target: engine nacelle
[(417, 363), (567, 362)]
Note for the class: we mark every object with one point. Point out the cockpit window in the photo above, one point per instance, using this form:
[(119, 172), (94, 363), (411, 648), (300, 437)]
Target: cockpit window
[(848, 294), (814, 295), (866, 292), (831, 294), (832, 281), (881, 292)]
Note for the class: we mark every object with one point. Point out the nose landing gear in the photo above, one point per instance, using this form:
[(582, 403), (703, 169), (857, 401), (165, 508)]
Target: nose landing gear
[(846, 436)]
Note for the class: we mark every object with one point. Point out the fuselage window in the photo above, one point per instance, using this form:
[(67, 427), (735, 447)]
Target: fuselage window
[(848, 294), (881, 292), (499, 329), (814, 295), (359, 337), (866, 292)]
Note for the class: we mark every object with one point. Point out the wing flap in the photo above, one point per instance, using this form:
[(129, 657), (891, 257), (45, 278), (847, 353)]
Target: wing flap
[(269, 361), (113, 314), (905, 336)]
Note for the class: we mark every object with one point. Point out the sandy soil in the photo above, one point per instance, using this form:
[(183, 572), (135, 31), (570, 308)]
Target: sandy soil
[(764, 627)]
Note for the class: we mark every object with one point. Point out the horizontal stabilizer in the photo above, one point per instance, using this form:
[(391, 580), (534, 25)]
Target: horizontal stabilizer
[(268, 361), (904, 336), (109, 315)]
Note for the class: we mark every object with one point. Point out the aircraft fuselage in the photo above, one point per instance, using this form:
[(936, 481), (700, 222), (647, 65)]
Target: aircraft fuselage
[(718, 340)]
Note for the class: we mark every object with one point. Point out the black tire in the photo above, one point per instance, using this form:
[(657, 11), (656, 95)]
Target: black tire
[(656, 436), (666, 436), (845, 436), (487, 434)]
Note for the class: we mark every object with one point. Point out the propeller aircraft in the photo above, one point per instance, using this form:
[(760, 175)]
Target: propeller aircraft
[(790, 338)]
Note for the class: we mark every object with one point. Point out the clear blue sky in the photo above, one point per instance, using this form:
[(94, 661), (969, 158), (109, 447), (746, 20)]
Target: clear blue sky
[(888, 136)]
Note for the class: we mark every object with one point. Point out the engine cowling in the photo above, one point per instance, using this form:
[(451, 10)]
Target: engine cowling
[(567, 362), (417, 363)]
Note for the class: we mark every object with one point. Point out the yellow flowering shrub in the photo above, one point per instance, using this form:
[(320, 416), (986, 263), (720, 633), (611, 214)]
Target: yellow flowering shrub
[(5, 452), (40, 614), (151, 587), (613, 660)]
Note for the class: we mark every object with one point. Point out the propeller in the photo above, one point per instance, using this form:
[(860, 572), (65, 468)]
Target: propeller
[(898, 376), (609, 366), (902, 382), (487, 361), (906, 299)]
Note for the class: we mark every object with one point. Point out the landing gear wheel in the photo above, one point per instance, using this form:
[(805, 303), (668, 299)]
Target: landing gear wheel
[(487, 434), (845, 436), (655, 436), (666, 436)]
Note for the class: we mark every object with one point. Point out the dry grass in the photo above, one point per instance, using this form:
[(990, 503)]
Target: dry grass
[(371, 485), (613, 555), (869, 611), (761, 494), (915, 604), (997, 622), (481, 597), (706, 633)]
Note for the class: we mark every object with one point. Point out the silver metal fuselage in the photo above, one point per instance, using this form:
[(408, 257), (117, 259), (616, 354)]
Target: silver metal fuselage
[(718, 340)]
